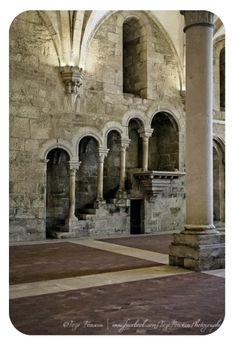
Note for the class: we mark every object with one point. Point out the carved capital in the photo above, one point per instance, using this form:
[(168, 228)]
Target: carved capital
[(102, 153), (73, 166), (72, 78), (197, 18), (124, 143), (146, 133)]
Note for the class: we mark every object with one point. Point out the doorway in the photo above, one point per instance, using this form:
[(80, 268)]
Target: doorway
[(137, 217)]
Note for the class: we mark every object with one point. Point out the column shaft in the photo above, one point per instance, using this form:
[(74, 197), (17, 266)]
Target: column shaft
[(199, 84), (100, 179), (102, 153), (199, 247), (122, 169), (72, 187), (145, 153)]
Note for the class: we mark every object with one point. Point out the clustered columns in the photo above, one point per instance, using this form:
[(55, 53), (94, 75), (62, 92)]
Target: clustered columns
[(102, 153), (124, 144), (145, 135), (199, 246), (73, 168)]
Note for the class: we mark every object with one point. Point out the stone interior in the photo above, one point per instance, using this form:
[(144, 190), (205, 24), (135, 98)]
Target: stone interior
[(86, 120), (113, 115)]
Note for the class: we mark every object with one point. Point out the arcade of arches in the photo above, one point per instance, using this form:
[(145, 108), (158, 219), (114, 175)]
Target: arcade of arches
[(102, 142)]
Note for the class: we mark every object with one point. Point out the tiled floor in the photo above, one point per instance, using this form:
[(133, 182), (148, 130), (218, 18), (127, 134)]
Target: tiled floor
[(158, 243), (109, 287), (63, 260)]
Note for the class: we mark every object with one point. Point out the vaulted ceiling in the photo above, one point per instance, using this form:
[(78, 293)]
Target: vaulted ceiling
[(72, 30)]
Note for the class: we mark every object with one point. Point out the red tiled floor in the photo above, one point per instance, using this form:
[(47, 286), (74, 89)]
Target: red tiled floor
[(154, 243), (30, 263), (170, 305)]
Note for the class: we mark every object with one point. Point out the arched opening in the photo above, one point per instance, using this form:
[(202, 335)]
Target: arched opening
[(87, 178), (57, 190), (222, 78), (134, 59), (134, 150), (112, 165), (164, 143), (218, 182)]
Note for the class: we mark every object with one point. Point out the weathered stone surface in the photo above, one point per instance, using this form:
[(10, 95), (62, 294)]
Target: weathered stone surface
[(198, 251), (41, 113)]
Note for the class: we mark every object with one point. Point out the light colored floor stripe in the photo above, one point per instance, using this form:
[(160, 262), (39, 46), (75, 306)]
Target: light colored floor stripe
[(124, 250), (217, 273), (94, 280)]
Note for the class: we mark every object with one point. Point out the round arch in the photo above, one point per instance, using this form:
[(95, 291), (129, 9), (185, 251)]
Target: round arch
[(53, 144), (86, 132), (137, 115), (112, 126), (164, 143), (168, 112), (220, 142), (218, 179)]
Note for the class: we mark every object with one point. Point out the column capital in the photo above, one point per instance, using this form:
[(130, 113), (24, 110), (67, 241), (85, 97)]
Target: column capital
[(198, 18), (72, 77), (124, 143), (102, 153), (74, 165), (145, 133)]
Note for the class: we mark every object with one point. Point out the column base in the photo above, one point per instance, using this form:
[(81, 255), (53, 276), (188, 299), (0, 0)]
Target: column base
[(121, 194), (99, 203), (71, 224), (198, 251)]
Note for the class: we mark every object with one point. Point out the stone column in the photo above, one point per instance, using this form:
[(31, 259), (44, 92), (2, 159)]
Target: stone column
[(189, 248), (72, 219), (124, 144), (145, 135), (102, 153)]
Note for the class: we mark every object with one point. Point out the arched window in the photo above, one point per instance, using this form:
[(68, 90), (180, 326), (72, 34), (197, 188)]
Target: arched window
[(87, 177), (134, 59), (164, 143), (218, 181), (222, 78), (57, 190), (134, 150), (112, 165)]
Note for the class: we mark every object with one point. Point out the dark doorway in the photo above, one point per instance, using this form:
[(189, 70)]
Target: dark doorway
[(136, 216)]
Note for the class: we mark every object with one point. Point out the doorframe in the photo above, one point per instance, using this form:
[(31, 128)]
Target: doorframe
[(142, 212)]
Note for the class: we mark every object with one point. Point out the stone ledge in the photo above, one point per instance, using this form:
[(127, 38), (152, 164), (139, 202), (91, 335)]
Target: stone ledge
[(195, 240)]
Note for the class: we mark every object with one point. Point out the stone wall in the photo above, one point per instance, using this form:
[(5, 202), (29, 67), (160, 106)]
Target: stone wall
[(166, 211), (42, 117)]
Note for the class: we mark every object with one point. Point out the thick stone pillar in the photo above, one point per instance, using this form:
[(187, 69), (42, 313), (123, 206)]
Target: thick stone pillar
[(199, 246), (71, 221), (102, 153), (145, 135), (124, 144)]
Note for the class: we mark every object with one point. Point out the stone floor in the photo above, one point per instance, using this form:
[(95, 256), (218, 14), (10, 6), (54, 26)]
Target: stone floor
[(110, 287)]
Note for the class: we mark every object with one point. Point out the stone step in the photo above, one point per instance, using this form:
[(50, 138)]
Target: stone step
[(62, 234), (85, 216), (89, 211)]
